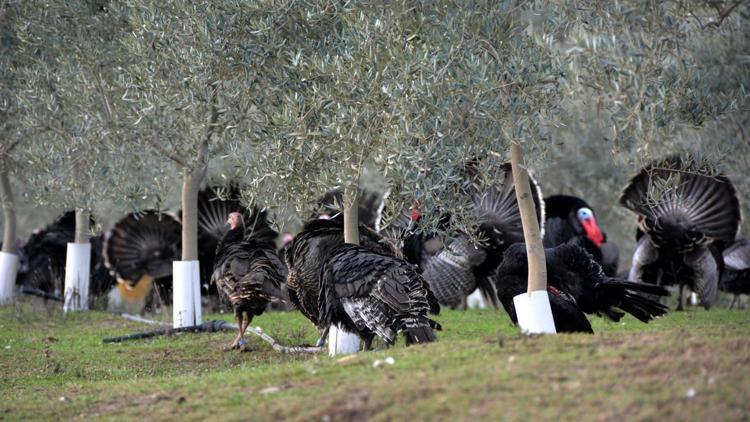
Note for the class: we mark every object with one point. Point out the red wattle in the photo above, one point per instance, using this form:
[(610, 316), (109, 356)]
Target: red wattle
[(592, 231)]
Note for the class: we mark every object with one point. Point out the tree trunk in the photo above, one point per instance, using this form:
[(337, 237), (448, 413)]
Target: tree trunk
[(531, 233), (9, 212), (83, 226), (351, 216), (190, 186)]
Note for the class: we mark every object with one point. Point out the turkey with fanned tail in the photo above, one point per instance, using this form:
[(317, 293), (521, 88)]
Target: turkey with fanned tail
[(372, 294), (139, 251), (576, 286), (456, 269), (246, 269), (686, 213)]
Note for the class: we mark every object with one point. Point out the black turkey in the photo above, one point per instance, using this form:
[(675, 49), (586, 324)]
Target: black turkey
[(571, 219), (246, 269), (686, 213), (43, 263), (375, 294), (735, 278), (576, 286), (139, 251), (307, 253), (456, 269)]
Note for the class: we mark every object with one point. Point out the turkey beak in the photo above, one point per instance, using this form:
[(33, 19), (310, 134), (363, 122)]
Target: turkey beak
[(592, 231)]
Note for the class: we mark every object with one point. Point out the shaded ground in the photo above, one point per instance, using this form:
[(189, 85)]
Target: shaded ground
[(692, 365)]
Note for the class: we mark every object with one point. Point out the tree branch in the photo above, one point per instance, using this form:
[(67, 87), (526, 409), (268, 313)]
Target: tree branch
[(7, 150), (154, 142), (724, 12), (213, 119)]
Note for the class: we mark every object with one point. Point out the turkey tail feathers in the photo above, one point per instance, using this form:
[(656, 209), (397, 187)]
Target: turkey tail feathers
[(419, 334), (143, 243), (688, 193), (497, 205), (633, 300)]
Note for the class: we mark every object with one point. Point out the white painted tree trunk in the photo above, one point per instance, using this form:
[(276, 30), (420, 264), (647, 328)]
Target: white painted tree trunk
[(186, 294), (534, 313), (341, 342), (532, 308), (8, 271), (77, 268)]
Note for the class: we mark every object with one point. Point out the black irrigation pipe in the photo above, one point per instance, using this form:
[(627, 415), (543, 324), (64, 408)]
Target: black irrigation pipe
[(33, 291), (208, 327)]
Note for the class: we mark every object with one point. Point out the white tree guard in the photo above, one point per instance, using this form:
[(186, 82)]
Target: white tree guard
[(186, 294), (77, 268), (341, 342), (534, 313), (476, 300), (8, 272)]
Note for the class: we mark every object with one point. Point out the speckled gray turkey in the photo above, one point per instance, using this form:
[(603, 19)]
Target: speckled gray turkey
[(373, 294), (307, 253), (686, 213), (246, 269)]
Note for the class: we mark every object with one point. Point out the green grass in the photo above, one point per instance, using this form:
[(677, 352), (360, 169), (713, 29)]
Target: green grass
[(688, 365)]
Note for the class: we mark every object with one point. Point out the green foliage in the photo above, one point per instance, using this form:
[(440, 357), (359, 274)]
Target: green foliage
[(411, 92)]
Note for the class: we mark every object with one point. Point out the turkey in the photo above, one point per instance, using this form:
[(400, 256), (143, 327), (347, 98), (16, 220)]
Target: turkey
[(308, 251), (735, 278), (45, 252), (455, 270), (374, 294), (571, 219), (214, 205), (43, 259), (246, 269), (576, 286), (139, 251), (686, 213)]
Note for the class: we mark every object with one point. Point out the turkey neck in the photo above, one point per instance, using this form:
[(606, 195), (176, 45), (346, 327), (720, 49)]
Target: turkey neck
[(231, 237)]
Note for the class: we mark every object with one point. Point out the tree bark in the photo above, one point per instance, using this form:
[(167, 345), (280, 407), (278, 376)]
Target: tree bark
[(83, 226), (351, 215), (9, 212), (531, 233), (190, 185)]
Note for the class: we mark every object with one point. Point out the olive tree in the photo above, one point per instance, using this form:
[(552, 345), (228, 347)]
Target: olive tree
[(413, 92), (644, 80), (8, 141), (69, 124), (193, 83)]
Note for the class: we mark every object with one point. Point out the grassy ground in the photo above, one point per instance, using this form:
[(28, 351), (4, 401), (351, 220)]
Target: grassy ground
[(691, 365)]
